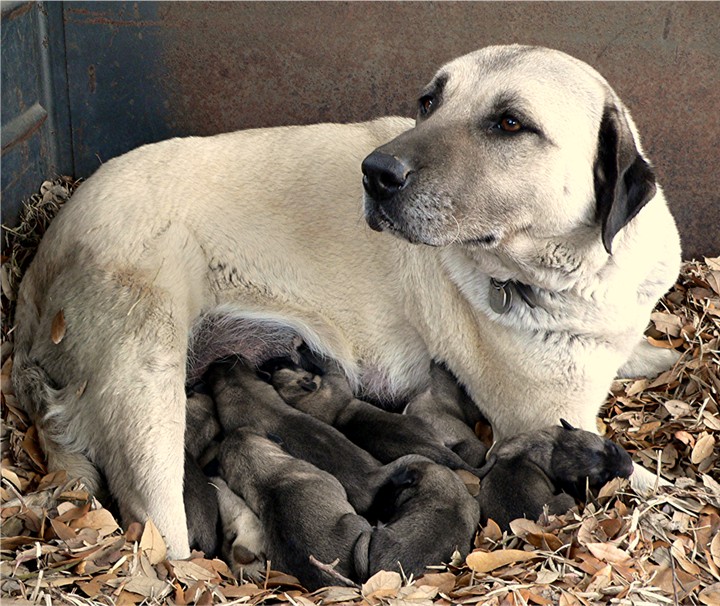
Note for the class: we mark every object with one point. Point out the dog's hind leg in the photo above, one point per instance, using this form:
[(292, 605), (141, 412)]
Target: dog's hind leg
[(109, 387)]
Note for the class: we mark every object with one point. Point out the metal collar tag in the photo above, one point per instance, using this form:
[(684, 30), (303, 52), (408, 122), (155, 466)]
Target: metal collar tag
[(502, 295)]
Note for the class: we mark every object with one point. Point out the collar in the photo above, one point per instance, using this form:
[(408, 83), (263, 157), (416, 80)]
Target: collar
[(503, 295)]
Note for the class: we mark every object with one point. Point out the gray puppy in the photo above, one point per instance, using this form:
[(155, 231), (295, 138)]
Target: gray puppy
[(426, 513), (199, 496), (386, 435), (549, 467), (452, 414), (244, 400), (303, 510), (425, 510)]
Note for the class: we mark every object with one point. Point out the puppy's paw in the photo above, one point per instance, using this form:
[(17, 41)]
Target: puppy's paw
[(245, 563), (560, 504), (294, 384), (244, 542)]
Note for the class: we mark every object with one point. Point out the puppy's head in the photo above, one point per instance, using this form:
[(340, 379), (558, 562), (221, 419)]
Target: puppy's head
[(581, 458), (509, 141)]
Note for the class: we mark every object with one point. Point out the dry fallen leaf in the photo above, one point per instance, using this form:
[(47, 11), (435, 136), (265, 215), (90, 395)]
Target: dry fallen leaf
[(57, 328), (677, 408), (715, 549), (668, 324), (608, 553), (383, 584), (486, 561), (601, 579), (710, 595), (99, 519), (443, 581), (152, 543), (678, 552), (703, 448)]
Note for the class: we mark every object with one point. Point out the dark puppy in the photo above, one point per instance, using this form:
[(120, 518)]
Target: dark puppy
[(427, 513), (202, 427), (304, 511), (550, 467), (199, 496), (201, 508), (244, 400), (452, 414), (425, 510), (386, 435)]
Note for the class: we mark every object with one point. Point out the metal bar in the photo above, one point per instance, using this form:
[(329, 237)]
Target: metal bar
[(23, 126)]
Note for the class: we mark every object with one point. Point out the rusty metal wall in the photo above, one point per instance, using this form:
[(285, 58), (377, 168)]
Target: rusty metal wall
[(34, 111), (140, 72)]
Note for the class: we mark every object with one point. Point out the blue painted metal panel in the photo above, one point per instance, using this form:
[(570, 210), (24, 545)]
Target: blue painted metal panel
[(113, 72), (34, 113)]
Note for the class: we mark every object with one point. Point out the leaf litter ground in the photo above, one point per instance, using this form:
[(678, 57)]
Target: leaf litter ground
[(59, 545)]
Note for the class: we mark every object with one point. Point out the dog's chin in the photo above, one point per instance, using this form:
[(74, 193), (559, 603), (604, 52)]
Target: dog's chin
[(378, 220)]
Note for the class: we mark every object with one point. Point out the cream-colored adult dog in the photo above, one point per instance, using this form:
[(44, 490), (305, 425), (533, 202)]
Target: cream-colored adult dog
[(524, 245)]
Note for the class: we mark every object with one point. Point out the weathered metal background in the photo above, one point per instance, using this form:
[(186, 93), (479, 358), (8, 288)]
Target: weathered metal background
[(144, 71), (34, 112)]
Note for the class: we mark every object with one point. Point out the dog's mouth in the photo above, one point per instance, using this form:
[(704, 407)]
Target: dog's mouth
[(482, 242), (378, 219)]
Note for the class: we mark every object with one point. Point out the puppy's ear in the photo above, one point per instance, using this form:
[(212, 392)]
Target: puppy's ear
[(624, 181), (565, 424)]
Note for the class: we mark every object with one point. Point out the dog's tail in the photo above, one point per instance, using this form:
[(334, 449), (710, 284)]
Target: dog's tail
[(45, 403)]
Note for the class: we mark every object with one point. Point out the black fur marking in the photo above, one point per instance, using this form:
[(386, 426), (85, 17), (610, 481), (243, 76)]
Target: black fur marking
[(624, 182)]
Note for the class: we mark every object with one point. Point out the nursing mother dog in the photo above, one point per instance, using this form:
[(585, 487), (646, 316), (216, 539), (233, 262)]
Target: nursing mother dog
[(513, 232)]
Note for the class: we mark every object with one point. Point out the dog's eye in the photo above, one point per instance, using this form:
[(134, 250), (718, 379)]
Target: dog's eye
[(510, 125), (425, 104)]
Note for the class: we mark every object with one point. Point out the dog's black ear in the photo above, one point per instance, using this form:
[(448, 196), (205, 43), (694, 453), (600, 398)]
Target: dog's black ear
[(565, 424), (624, 181)]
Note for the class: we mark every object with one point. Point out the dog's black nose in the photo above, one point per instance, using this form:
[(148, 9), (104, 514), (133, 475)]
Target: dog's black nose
[(383, 175)]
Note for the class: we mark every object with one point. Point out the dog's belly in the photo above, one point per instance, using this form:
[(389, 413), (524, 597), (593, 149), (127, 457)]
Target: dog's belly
[(387, 364)]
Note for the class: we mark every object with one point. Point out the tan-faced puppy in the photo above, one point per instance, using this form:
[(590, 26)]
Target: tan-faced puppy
[(386, 435), (513, 232), (550, 467)]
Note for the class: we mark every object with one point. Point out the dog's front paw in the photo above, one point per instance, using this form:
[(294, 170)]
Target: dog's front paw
[(648, 361)]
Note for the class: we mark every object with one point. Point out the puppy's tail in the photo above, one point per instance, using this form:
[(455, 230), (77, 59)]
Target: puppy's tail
[(45, 403)]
